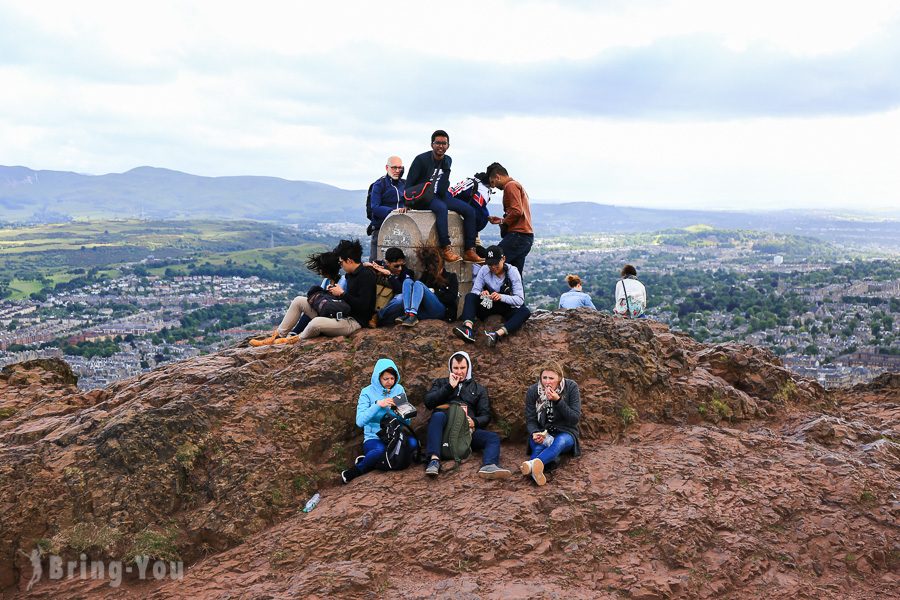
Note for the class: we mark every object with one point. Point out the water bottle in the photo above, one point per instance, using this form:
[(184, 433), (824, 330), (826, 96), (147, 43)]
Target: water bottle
[(312, 502)]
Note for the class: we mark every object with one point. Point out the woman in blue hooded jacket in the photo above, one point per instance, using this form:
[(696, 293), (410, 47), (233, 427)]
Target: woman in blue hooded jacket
[(375, 400)]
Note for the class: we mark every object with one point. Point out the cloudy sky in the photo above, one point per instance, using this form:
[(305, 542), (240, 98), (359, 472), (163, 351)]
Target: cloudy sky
[(695, 103)]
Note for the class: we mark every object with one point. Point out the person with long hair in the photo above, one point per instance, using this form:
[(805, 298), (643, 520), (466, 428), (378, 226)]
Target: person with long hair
[(552, 412), (575, 297), (631, 295), (434, 295), (359, 294)]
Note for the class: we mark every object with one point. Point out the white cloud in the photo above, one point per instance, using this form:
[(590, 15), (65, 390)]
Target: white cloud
[(305, 91)]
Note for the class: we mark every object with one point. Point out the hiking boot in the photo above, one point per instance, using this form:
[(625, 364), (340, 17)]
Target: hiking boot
[(349, 475), (373, 322), (410, 320), (464, 333), (266, 341), (449, 255), (471, 256), (537, 472), (525, 467), (493, 337), (433, 468), (493, 472)]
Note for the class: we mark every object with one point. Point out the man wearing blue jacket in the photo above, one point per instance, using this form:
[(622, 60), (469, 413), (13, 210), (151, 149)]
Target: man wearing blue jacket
[(497, 290), (385, 197)]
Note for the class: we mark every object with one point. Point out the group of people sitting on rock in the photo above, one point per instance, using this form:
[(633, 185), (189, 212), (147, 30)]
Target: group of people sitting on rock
[(427, 187), (343, 304), (386, 292), (460, 414)]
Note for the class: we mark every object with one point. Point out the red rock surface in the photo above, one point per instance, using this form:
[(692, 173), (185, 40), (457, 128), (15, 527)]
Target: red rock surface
[(735, 479)]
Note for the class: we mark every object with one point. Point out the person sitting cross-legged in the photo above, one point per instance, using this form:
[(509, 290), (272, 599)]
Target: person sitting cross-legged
[(461, 387), (497, 290)]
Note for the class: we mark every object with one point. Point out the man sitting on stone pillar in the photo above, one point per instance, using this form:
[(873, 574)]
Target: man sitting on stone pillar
[(385, 197), (497, 290), (435, 164)]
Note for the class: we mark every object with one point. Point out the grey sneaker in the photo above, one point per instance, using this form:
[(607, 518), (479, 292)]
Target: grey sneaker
[(492, 338), (494, 472), (410, 320), (433, 468)]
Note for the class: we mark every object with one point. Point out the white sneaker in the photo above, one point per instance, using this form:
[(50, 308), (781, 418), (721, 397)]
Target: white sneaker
[(525, 467)]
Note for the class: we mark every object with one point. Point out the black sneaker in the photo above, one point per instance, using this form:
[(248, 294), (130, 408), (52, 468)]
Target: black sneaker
[(399, 320), (349, 475), (465, 334), (410, 320), (358, 460), (493, 337)]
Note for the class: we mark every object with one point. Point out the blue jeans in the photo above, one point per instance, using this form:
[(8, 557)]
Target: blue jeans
[(440, 205), (392, 309), (486, 441), (516, 247), (514, 317), (562, 442), (374, 452), (421, 301)]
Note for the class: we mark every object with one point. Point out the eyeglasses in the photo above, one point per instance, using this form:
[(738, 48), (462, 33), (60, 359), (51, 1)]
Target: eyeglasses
[(392, 167), (440, 143)]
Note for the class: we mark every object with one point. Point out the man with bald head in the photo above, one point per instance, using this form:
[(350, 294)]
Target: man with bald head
[(385, 197)]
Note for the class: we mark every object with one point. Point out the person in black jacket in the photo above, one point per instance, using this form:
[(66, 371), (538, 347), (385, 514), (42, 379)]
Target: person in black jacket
[(360, 295), (461, 387), (552, 412), (436, 293), (435, 164)]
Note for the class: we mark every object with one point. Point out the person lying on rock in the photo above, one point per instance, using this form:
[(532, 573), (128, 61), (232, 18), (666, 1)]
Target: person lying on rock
[(434, 296), (460, 387), (359, 294), (375, 400), (552, 412), (497, 290)]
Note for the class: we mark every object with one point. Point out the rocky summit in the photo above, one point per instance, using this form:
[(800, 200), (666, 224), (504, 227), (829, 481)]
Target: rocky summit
[(708, 471)]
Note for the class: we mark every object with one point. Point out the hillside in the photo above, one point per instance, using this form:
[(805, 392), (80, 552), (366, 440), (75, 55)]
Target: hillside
[(51, 196), (707, 471), (153, 193)]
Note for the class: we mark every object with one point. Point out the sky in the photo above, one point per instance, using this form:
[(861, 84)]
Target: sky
[(667, 104)]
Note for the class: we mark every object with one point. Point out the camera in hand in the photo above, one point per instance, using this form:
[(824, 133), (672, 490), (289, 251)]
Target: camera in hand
[(403, 407)]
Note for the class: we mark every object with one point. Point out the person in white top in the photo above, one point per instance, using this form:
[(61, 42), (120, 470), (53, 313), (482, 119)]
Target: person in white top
[(631, 295)]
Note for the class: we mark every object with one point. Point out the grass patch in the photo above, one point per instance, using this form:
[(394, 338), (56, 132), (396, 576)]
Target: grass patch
[(187, 453), (627, 415), (81, 537), (157, 545), (6, 413), (867, 497)]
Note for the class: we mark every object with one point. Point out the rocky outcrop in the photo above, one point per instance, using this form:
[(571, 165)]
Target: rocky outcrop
[(707, 471)]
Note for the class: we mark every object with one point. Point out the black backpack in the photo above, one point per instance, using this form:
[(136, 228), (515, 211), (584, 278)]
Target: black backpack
[(327, 305), (369, 229), (398, 452)]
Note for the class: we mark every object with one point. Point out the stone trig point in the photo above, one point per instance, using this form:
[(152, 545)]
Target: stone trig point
[(415, 228)]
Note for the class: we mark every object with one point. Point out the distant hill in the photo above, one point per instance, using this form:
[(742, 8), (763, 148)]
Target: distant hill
[(164, 194), (52, 196)]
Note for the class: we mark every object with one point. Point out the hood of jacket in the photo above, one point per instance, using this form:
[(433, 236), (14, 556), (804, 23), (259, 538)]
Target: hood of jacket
[(468, 362), (382, 365)]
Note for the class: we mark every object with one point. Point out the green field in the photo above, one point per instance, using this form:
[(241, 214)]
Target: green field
[(37, 258)]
